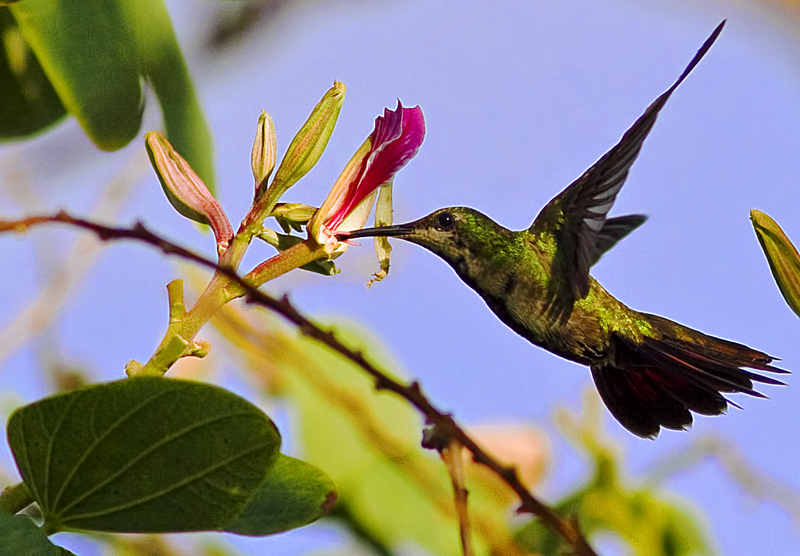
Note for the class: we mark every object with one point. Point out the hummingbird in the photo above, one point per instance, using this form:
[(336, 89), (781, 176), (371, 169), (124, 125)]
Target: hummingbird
[(650, 372)]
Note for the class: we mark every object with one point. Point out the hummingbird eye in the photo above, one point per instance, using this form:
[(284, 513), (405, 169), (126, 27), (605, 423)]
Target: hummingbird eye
[(445, 221)]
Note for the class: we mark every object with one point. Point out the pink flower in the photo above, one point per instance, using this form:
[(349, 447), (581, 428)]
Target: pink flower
[(397, 137)]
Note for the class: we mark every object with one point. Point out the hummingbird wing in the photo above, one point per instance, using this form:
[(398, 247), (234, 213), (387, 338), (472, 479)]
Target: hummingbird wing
[(576, 218), (613, 231)]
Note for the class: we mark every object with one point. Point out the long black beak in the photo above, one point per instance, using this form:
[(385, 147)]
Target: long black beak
[(388, 231)]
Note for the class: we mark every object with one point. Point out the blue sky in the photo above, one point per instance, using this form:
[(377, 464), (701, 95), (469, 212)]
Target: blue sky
[(519, 101)]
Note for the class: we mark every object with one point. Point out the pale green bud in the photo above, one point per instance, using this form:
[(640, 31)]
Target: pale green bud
[(307, 146), (292, 216), (265, 147), (296, 212), (782, 257)]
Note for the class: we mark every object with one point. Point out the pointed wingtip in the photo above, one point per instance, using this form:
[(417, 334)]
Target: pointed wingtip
[(697, 57)]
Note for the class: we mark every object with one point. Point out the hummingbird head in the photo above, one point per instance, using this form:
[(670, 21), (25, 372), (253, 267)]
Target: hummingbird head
[(459, 235)]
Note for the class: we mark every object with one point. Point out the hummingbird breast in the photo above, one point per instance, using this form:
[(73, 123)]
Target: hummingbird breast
[(517, 295)]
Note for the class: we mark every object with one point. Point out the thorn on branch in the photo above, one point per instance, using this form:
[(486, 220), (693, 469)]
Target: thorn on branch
[(434, 438)]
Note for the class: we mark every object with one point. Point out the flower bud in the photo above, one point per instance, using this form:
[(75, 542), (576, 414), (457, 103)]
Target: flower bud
[(265, 146), (782, 257), (307, 146), (296, 212), (185, 190)]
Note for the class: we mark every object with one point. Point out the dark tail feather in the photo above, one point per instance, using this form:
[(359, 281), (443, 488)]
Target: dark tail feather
[(659, 382)]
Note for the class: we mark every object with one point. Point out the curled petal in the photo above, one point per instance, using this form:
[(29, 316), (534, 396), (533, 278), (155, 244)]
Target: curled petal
[(383, 217)]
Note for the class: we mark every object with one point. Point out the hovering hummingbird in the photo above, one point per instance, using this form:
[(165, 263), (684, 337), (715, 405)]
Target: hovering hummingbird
[(651, 372)]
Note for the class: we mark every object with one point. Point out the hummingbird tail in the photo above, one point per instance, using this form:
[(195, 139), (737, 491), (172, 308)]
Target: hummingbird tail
[(659, 382)]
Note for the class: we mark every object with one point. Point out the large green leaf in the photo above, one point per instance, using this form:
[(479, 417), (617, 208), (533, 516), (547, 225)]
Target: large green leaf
[(294, 494), (142, 455), (19, 536), (95, 54), (29, 101)]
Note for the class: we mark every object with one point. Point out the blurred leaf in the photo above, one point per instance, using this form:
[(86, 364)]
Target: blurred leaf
[(95, 53), (294, 494), (783, 259), (237, 20), (142, 455), (165, 69), (369, 444), (89, 53), (29, 101), (19, 536), (391, 491), (645, 518)]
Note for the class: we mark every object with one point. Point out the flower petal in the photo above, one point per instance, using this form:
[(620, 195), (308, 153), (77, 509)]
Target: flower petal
[(343, 188), (397, 137), (392, 154)]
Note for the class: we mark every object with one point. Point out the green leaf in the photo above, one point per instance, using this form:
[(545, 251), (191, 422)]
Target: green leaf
[(95, 54), (19, 536), (294, 494), (645, 519), (29, 101), (142, 455), (165, 69), (89, 54), (783, 259)]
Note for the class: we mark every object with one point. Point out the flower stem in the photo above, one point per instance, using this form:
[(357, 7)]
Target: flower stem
[(294, 257), (179, 338)]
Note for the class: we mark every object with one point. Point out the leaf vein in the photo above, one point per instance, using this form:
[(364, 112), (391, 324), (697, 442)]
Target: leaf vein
[(130, 413), (187, 481), (163, 442)]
